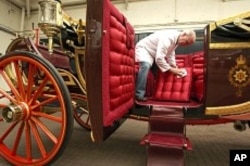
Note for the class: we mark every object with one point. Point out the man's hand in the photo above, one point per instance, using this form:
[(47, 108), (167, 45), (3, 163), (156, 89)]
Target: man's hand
[(181, 72)]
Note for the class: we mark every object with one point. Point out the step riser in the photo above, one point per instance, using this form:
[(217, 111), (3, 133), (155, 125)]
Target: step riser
[(166, 139), (167, 124)]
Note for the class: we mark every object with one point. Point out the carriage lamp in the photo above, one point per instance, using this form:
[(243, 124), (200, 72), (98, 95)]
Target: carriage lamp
[(50, 19)]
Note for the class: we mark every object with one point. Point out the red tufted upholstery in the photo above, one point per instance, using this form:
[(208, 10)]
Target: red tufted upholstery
[(171, 88), (184, 60), (118, 65), (198, 75)]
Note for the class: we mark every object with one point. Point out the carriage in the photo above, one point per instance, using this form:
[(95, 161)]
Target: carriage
[(85, 70)]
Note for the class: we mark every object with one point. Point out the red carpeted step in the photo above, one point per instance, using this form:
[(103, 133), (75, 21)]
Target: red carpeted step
[(168, 110), (167, 119), (166, 124), (168, 140)]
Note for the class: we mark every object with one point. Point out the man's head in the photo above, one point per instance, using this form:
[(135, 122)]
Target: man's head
[(187, 37)]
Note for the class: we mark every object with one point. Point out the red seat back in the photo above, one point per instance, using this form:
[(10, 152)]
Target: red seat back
[(169, 87), (198, 64)]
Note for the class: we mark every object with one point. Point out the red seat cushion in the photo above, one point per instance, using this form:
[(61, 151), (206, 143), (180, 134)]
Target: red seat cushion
[(171, 88)]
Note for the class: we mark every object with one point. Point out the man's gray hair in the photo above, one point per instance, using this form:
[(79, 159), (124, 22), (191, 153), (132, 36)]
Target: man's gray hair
[(190, 33)]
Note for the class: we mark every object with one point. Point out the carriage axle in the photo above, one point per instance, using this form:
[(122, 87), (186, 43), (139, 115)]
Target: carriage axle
[(15, 112)]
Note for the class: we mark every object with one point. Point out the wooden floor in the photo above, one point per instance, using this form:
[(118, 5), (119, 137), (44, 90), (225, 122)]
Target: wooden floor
[(211, 146)]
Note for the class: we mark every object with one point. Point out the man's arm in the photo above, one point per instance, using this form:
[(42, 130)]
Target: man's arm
[(160, 58), (171, 60)]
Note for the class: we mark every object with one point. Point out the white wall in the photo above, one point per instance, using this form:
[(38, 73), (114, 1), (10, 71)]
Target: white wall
[(166, 12), (153, 14), (146, 13), (10, 18), (5, 40)]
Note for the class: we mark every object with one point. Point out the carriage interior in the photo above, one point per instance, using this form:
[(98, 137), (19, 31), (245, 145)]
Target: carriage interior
[(168, 89), (119, 71), (111, 77)]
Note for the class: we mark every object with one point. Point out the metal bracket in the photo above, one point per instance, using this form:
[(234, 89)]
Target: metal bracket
[(240, 22)]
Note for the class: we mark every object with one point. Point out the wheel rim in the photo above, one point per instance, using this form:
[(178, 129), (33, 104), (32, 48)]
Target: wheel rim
[(80, 108), (29, 134)]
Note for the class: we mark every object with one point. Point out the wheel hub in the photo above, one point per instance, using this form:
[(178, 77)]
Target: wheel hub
[(14, 112)]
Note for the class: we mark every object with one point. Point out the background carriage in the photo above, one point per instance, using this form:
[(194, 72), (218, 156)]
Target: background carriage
[(89, 74)]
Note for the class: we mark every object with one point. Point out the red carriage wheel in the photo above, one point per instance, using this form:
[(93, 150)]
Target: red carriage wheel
[(81, 113), (36, 118)]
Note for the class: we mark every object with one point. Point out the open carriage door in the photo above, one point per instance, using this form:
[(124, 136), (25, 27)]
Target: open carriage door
[(227, 49), (109, 67)]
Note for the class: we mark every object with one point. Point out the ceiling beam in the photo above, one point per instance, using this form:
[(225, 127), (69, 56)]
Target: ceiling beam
[(18, 3)]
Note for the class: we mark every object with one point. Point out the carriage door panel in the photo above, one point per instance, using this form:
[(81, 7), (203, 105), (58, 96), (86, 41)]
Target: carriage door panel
[(228, 75), (109, 67)]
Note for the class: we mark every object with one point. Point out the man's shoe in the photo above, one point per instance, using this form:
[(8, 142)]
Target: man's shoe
[(141, 98)]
